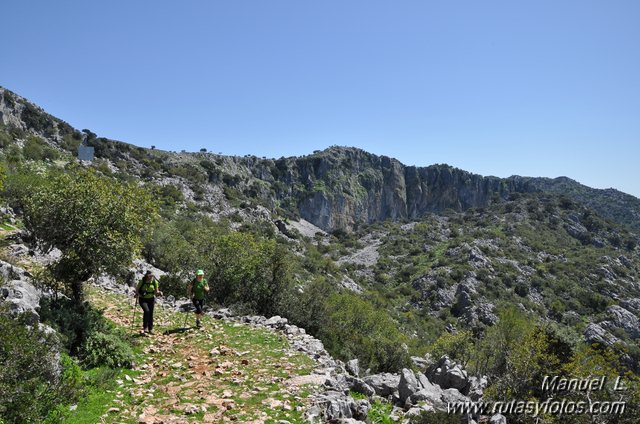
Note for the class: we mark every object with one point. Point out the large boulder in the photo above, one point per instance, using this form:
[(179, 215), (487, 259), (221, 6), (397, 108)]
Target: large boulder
[(431, 394), (420, 362), (407, 385), (353, 367), (18, 294), (476, 387), (359, 386), (435, 396), (336, 406), (622, 318), (596, 334), (498, 419), (448, 375), (276, 322), (384, 384), (21, 298)]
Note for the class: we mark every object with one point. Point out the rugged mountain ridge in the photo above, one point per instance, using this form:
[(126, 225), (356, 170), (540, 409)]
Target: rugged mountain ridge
[(335, 189), (344, 187)]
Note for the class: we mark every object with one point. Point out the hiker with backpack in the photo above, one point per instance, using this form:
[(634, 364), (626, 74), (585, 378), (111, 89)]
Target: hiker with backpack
[(146, 292), (196, 291)]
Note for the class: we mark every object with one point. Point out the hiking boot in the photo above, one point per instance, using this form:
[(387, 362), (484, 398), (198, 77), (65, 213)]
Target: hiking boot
[(198, 323), (150, 331)]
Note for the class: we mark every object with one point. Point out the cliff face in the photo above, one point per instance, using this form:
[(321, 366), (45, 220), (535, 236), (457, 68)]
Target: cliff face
[(337, 188), (340, 187)]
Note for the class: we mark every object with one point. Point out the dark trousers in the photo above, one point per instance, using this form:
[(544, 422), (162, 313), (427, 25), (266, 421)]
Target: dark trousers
[(147, 316), (199, 304)]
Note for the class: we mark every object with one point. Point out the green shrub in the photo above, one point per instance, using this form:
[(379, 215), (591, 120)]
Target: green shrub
[(173, 285), (380, 413), (85, 332), (36, 149), (106, 349), (356, 329), (31, 384), (71, 142), (5, 139), (248, 270), (73, 322), (308, 309), (458, 346)]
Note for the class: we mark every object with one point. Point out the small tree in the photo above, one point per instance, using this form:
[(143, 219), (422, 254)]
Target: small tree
[(96, 223)]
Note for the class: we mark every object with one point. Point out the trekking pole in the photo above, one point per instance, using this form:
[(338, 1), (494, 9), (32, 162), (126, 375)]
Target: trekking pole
[(133, 318), (171, 300), (186, 317)]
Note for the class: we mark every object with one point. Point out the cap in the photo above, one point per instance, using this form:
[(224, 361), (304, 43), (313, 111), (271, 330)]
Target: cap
[(149, 273), (200, 272)]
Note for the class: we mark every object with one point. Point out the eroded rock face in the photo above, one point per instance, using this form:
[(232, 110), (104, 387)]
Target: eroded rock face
[(619, 317), (596, 334), (384, 384), (408, 384), (448, 375), (334, 406), (384, 188), (18, 294)]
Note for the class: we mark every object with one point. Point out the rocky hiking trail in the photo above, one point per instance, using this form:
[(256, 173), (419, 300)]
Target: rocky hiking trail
[(223, 372)]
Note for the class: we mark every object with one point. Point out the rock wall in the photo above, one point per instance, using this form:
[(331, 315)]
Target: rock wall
[(341, 187)]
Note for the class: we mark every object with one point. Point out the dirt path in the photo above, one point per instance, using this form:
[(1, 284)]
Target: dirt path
[(221, 373)]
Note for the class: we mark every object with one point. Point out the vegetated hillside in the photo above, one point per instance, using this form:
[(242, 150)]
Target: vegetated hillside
[(542, 252), (420, 260), (610, 203), (526, 241), (335, 189)]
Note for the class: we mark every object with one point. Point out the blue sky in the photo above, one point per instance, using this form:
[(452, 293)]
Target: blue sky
[(538, 88)]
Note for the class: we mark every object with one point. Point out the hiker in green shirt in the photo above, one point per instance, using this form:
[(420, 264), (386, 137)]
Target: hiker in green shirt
[(196, 291), (146, 292)]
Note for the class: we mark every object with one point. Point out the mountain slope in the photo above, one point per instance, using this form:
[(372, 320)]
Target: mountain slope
[(419, 261), (335, 189)]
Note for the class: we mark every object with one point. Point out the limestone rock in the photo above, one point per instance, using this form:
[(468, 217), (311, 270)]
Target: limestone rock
[(447, 374), (353, 366), (384, 384), (498, 419), (407, 385), (621, 318), (596, 334)]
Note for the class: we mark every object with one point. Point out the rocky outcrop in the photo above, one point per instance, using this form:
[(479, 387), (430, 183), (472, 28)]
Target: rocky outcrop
[(18, 294), (619, 317), (384, 384), (448, 375), (345, 186), (594, 333)]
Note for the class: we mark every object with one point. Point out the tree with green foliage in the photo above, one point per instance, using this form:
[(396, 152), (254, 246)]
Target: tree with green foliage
[(94, 221), (458, 346), (515, 354), (594, 362), (249, 270), (356, 329), (37, 149)]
